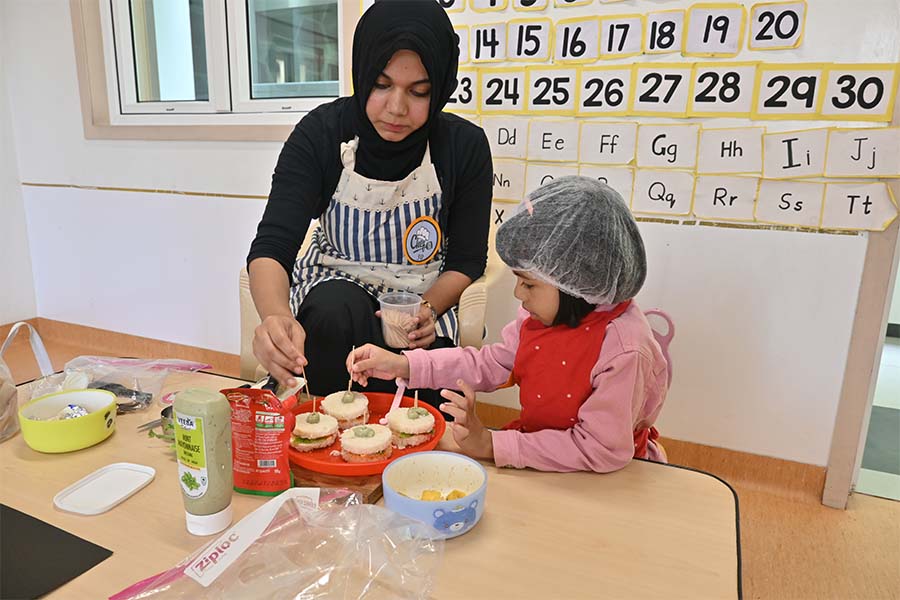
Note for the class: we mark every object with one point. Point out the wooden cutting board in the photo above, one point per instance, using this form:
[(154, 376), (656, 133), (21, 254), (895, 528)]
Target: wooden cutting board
[(367, 485)]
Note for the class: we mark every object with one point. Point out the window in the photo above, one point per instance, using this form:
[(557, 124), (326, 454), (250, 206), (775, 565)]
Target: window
[(199, 58), (292, 59)]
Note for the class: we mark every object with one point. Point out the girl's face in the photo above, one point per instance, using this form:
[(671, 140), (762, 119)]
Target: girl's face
[(538, 298), (398, 103)]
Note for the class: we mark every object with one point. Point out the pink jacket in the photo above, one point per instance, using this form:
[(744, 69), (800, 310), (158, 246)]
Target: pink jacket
[(629, 384)]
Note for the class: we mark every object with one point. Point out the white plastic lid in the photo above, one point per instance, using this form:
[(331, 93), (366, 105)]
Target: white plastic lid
[(104, 488), (209, 524)]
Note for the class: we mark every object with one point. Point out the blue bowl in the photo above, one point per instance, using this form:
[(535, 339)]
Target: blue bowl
[(406, 478)]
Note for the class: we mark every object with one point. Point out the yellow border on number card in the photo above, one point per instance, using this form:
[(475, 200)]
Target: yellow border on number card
[(570, 61), (576, 81), (532, 8), (710, 5), (799, 37), (460, 7), (550, 31), (832, 130), (655, 65), (473, 72), (641, 18), (487, 10), (812, 115), (750, 89), (457, 28), (674, 48), (626, 99), (473, 45), (818, 224), (524, 94), (891, 89), (563, 4)]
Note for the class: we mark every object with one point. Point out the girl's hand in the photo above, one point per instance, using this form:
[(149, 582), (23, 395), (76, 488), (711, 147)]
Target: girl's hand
[(424, 334), (468, 431), (372, 361), (278, 344)]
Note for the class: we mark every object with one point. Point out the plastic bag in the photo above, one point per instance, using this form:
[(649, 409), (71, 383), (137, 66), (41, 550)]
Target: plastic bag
[(289, 548), (136, 382), (9, 405), (9, 423)]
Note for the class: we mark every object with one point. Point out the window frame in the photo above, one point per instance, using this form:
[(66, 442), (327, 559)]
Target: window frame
[(216, 64), (241, 70), (99, 84)]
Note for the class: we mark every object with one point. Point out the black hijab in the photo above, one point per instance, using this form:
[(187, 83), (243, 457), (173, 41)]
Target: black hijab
[(386, 27)]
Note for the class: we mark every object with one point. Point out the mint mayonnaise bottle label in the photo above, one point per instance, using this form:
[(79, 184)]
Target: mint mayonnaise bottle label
[(191, 451)]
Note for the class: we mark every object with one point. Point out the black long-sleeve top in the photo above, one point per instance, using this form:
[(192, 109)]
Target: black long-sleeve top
[(309, 167)]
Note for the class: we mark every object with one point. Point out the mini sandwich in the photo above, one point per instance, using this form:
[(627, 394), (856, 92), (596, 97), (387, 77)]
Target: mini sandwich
[(410, 426), (366, 443), (314, 430), (349, 408)]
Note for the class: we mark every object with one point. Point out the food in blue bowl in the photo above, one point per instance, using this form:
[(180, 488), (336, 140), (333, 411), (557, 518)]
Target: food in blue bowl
[(442, 489)]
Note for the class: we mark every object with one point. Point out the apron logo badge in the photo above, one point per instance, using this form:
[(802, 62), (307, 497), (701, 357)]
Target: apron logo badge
[(422, 240)]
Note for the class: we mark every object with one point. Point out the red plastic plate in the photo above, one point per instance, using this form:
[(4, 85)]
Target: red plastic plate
[(321, 460)]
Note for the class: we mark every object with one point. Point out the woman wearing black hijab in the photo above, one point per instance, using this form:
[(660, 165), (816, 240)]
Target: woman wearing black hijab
[(402, 193)]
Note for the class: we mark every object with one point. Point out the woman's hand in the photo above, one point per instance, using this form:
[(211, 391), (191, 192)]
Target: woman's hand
[(424, 334), (473, 438), (372, 361), (278, 345)]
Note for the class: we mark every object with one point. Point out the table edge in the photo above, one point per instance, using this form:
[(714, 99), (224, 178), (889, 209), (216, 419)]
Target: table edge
[(737, 515)]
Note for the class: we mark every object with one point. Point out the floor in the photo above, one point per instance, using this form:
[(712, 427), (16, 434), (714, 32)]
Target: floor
[(792, 549), (880, 472)]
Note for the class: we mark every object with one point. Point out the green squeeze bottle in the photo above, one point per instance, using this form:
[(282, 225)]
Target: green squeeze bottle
[(203, 447)]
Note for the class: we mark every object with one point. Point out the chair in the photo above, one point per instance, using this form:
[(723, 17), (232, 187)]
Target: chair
[(663, 339), (471, 312)]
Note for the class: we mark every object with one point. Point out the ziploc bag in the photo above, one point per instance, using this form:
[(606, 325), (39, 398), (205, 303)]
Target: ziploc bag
[(307, 543), (9, 423), (136, 382)]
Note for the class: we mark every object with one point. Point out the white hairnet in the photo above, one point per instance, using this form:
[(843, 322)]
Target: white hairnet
[(580, 237)]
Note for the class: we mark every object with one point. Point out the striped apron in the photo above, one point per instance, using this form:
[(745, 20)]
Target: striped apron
[(383, 236)]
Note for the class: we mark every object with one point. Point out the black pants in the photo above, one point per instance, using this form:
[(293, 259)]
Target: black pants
[(336, 316)]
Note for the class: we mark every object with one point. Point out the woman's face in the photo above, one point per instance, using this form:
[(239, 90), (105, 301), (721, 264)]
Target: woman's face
[(538, 298), (399, 101)]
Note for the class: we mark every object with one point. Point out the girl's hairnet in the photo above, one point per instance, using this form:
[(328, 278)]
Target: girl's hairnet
[(579, 236)]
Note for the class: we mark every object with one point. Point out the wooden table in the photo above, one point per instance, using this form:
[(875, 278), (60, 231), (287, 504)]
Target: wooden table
[(646, 531)]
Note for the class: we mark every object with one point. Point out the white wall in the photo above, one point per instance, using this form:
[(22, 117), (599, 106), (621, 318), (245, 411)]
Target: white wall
[(16, 285), (761, 334), (50, 140), (763, 317), (158, 265), (153, 265)]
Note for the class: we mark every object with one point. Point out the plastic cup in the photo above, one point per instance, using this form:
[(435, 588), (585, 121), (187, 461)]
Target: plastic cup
[(398, 317)]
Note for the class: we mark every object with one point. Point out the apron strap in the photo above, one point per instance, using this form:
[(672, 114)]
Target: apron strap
[(348, 153)]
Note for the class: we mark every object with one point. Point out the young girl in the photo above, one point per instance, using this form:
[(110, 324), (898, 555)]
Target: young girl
[(592, 378)]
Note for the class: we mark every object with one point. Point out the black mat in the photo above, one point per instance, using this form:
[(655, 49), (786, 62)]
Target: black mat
[(882, 451), (36, 557)]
